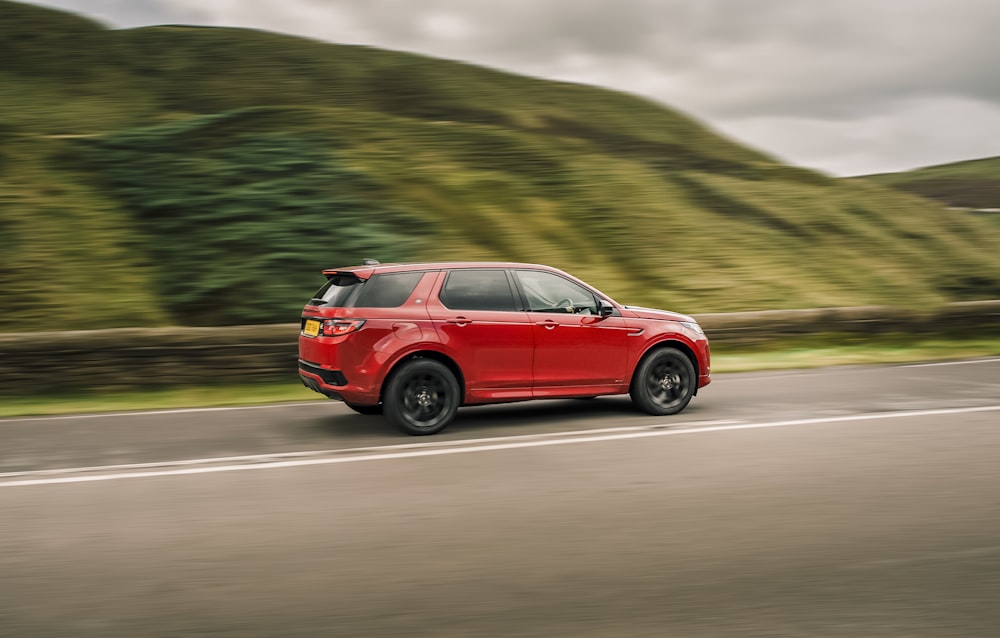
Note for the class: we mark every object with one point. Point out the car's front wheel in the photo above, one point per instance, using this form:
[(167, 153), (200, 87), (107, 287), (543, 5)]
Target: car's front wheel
[(664, 382), (422, 397)]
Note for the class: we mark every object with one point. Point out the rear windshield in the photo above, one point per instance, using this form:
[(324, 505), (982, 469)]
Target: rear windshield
[(388, 290), (338, 291)]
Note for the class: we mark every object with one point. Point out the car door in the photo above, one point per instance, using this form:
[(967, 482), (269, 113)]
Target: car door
[(482, 327), (575, 347)]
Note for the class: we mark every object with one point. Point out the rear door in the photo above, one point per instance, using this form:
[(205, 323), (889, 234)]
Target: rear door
[(482, 327)]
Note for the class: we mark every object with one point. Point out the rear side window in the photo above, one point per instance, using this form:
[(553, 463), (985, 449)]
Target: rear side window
[(389, 290), (478, 290)]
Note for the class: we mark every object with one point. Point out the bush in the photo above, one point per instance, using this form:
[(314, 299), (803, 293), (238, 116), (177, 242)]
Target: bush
[(240, 220)]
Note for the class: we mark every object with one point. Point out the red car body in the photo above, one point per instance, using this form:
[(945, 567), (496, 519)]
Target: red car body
[(535, 347)]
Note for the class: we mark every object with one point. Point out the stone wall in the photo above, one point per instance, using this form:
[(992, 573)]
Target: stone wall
[(143, 358), (768, 327)]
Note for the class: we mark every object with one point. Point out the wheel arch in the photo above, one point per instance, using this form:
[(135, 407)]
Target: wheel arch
[(669, 343), (425, 354)]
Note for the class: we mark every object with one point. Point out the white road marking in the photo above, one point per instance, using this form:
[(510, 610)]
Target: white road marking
[(743, 377), (950, 363), (948, 555), (249, 458), (476, 446)]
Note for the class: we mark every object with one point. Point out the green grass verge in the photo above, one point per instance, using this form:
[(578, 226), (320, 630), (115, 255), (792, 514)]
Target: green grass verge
[(160, 399), (806, 354), (809, 355)]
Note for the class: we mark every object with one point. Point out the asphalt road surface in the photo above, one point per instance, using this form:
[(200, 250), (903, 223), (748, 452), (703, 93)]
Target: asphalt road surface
[(857, 501)]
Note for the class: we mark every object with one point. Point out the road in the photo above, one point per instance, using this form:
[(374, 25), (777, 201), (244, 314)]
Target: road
[(857, 501)]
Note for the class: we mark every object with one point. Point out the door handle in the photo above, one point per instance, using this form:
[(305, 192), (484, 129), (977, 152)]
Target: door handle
[(459, 321), (549, 324)]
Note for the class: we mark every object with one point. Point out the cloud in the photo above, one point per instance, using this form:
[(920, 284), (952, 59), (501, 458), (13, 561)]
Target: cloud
[(908, 135), (128, 13), (771, 72)]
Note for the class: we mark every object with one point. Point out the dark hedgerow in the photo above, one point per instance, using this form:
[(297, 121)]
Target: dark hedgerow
[(238, 219)]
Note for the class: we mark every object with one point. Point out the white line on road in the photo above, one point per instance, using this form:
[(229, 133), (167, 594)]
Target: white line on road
[(276, 456), (476, 446), (318, 402), (975, 553), (950, 363)]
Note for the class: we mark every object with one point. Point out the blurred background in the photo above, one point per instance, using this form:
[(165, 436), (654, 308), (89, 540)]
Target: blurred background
[(193, 176)]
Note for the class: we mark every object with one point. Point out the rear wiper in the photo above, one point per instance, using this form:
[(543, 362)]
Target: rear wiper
[(315, 301)]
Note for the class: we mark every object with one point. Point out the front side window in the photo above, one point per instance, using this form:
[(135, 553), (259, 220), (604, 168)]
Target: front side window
[(478, 290), (547, 292)]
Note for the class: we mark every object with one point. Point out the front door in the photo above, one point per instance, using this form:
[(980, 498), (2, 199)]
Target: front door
[(575, 348)]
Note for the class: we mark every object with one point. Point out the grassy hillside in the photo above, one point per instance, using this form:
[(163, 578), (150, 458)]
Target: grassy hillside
[(971, 184), (180, 175)]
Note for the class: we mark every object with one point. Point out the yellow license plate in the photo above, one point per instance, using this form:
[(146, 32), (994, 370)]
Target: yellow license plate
[(312, 328)]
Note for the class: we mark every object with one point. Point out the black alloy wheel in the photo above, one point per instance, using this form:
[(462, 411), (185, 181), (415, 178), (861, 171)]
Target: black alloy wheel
[(664, 382), (422, 397)]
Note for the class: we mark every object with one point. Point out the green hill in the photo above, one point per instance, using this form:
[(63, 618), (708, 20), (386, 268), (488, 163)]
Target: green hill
[(970, 184), (203, 176)]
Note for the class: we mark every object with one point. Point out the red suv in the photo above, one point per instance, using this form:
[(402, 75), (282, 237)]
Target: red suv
[(416, 341)]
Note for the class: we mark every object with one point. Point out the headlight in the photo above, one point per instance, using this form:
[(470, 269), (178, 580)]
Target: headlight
[(694, 327)]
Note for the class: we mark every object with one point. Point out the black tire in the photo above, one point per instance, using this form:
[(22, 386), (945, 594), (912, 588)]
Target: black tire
[(367, 410), (664, 382), (421, 397)]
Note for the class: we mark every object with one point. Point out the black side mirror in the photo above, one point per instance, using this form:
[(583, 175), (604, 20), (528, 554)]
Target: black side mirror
[(604, 308)]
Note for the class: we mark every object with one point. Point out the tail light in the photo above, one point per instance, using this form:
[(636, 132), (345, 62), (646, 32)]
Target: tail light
[(341, 327)]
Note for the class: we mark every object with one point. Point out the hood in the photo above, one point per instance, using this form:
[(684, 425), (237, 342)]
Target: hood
[(662, 315)]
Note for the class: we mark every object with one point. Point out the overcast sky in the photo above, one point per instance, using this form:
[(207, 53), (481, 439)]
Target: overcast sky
[(844, 86)]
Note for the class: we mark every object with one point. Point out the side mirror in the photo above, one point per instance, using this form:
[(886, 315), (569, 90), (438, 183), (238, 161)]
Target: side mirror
[(604, 308)]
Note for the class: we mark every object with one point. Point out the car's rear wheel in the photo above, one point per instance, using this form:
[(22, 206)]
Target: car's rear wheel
[(365, 409), (422, 397), (664, 382)]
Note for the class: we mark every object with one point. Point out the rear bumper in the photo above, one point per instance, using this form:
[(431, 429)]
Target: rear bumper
[(316, 386), (326, 376), (332, 384)]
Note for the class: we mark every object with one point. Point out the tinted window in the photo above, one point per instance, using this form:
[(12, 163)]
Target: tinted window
[(547, 292), (387, 291), (337, 291), (478, 290)]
